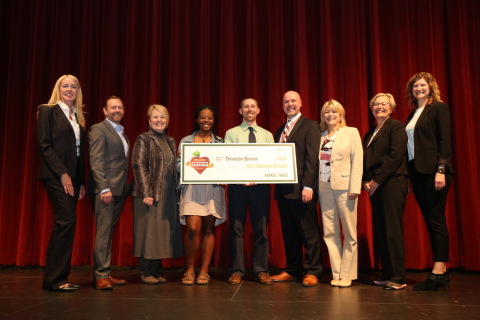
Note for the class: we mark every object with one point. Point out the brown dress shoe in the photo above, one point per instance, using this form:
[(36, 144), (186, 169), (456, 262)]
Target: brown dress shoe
[(264, 278), (116, 281), (104, 284), (309, 280), (282, 277), (235, 278)]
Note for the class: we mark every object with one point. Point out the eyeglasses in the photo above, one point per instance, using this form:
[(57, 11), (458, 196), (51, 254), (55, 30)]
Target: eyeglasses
[(380, 104)]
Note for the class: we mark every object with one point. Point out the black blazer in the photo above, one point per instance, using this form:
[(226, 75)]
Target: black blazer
[(306, 136), (433, 138), (386, 155), (57, 145)]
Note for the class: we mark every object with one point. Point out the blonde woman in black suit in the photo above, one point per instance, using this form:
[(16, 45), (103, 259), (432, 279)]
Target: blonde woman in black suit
[(385, 178), (339, 185), (60, 140), (430, 168)]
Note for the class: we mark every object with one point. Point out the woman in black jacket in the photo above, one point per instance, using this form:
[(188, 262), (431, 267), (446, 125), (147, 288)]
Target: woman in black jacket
[(430, 168), (60, 140), (385, 179)]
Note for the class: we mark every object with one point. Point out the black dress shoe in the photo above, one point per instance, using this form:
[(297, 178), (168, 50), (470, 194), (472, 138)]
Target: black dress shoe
[(434, 282)]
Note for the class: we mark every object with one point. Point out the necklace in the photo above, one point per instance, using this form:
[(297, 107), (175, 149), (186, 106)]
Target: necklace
[(203, 138)]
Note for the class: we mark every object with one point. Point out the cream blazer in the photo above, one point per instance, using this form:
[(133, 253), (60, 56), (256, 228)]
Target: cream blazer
[(346, 160)]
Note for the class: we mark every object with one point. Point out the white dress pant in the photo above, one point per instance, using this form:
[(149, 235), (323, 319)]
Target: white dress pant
[(339, 214)]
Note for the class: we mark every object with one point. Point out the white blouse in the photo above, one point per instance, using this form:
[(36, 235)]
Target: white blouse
[(73, 122), (325, 157), (410, 133)]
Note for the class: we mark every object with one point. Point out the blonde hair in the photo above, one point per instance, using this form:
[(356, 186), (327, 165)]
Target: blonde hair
[(390, 98), (335, 105), (163, 111), (78, 103), (432, 85)]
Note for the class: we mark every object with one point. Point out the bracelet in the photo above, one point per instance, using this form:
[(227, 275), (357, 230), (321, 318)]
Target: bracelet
[(441, 169)]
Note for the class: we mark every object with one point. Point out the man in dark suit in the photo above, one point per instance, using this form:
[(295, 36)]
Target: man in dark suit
[(297, 202), (109, 153)]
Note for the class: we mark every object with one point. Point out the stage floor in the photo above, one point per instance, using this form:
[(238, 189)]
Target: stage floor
[(21, 297)]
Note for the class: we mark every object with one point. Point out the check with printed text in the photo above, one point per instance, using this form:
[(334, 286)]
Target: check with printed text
[(238, 163)]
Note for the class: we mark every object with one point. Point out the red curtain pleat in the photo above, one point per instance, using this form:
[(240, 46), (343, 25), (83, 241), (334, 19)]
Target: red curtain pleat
[(183, 54)]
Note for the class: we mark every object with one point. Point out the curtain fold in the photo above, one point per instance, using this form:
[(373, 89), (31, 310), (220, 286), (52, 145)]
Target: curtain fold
[(184, 54)]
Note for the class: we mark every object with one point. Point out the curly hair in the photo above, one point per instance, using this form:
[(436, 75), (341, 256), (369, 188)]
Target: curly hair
[(432, 84)]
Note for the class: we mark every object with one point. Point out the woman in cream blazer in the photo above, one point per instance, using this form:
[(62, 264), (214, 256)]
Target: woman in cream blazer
[(340, 177)]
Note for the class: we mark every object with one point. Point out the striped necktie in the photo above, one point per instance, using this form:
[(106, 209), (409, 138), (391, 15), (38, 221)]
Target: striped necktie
[(286, 131)]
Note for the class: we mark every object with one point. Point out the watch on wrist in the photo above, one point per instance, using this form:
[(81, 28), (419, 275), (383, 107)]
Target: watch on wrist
[(441, 169)]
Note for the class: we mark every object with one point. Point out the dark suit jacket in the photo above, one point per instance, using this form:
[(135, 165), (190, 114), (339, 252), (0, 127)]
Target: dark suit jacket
[(57, 145), (433, 138), (387, 153), (306, 136), (109, 165)]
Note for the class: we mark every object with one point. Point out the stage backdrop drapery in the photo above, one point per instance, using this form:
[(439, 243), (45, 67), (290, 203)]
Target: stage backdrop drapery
[(188, 53)]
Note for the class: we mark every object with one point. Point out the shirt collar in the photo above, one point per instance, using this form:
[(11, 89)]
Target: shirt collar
[(66, 108), (116, 126), (294, 118), (245, 126)]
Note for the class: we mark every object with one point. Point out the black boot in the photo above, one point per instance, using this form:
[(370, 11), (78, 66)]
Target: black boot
[(434, 282)]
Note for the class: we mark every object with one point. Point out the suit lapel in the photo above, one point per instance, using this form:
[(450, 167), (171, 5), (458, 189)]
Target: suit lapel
[(61, 115), (115, 134), (380, 132), (295, 128), (424, 113)]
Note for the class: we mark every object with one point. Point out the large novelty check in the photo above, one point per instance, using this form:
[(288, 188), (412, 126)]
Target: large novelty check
[(238, 163)]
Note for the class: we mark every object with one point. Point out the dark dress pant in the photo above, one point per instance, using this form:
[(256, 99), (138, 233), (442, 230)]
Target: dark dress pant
[(257, 199), (388, 204), (60, 246), (432, 203), (300, 228)]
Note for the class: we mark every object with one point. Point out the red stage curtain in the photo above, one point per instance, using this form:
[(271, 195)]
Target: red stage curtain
[(187, 53)]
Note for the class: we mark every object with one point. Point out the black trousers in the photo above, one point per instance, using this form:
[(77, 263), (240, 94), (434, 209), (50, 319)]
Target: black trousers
[(388, 204), (257, 198), (60, 246), (300, 228), (432, 203)]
